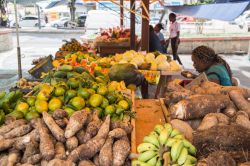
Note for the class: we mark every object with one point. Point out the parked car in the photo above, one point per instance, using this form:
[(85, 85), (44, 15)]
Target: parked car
[(185, 19), (62, 22), (28, 21), (81, 20)]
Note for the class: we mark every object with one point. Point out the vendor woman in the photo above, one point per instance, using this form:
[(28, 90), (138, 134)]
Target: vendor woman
[(217, 69)]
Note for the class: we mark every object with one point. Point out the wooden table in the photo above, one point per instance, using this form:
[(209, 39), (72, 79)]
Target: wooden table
[(148, 114), (165, 77)]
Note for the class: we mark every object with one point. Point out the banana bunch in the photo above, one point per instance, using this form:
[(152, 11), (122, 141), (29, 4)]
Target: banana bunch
[(165, 145), (114, 85)]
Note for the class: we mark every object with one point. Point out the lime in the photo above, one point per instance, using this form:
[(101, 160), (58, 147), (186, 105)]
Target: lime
[(115, 118), (83, 92), (91, 91), (22, 107), (112, 98), (73, 83), (16, 114), (95, 87), (102, 90), (77, 102), (87, 109), (41, 106), (31, 100), (43, 95), (99, 111), (109, 110), (70, 111), (59, 91), (55, 104), (119, 109), (124, 104), (105, 103), (95, 100), (32, 115)]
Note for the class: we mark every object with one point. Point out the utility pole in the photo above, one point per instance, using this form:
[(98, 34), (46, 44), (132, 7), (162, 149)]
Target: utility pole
[(72, 9)]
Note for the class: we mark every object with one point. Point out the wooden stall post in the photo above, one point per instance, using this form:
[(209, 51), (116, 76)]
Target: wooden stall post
[(145, 26), (121, 14), (132, 25)]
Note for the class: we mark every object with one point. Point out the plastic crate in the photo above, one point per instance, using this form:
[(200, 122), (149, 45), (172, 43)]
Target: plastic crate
[(44, 66)]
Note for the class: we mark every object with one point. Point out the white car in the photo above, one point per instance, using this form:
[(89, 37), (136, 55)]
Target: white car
[(62, 22), (28, 21)]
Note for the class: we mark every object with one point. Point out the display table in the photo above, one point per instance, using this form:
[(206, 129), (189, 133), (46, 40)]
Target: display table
[(165, 77), (148, 114)]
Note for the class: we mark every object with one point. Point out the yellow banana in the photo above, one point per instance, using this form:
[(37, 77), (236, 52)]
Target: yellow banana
[(152, 139), (158, 128), (139, 163), (176, 150), (192, 159), (183, 156), (159, 163), (163, 136), (167, 158), (179, 136), (191, 148), (153, 161), (170, 142), (145, 156), (145, 147), (174, 133)]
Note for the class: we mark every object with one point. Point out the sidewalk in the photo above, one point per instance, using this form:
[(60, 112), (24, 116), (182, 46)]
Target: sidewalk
[(50, 30)]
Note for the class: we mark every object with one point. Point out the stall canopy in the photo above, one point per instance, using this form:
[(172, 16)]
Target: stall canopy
[(220, 11)]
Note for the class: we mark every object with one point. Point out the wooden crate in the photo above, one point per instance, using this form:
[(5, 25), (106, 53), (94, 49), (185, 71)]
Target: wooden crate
[(148, 114), (165, 110)]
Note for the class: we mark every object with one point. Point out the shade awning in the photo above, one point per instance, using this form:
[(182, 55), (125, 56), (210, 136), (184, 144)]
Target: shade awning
[(219, 11)]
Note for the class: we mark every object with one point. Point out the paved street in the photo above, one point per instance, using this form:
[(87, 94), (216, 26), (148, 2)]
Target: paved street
[(37, 45)]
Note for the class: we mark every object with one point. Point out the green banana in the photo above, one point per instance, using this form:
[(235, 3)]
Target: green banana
[(179, 136), (176, 150), (170, 142), (151, 139), (145, 156), (187, 164), (174, 133), (188, 161), (139, 163), (167, 158), (168, 127), (145, 147), (163, 136), (183, 156), (153, 161), (154, 133), (158, 163), (158, 128), (191, 148), (192, 159)]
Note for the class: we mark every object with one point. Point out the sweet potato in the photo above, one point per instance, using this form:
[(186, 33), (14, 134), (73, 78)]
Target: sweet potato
[(208, 122), (34, 159), (30, 150), (184, 128), (71, 143), (80, 135), (76, 122), (58, 162), (46, 144), (239, 100), (18, 131), (6, 144), (117, 133), (59, 114), (21, 142), (62, 122), (198, 106), (88, 150), (124, 125), (242, 119), (6, 128), (106, 155), (56, 131), (60, 151), (195, 123), (121, 149), (86, 163), (175, 97), (231, 110)]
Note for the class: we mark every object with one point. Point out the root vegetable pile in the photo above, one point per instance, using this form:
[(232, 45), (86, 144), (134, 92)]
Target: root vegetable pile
[(84, 140)]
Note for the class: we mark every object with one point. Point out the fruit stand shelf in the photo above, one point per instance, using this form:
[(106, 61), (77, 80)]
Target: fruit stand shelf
[(148, 114)]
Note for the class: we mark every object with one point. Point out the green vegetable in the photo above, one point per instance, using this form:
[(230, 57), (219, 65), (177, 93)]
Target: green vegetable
[(2, 116)]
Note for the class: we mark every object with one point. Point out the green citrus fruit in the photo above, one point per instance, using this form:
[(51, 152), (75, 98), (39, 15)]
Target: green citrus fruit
[(32, 115), (41, 106), (59, 91), (124, 104), (73, 83), (77, 102), (70, 111), (102, 90), (54, 104), (83, 92), (43, 95), (105, 103), (95, 100), (109, 110), (22, 107), (31, 100), (91, 91), (119, 109)]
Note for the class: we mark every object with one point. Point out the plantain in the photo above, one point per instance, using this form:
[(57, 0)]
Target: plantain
[(174, 133), (152, 139), (170, 142), (147, 155), (176, 150), (139, 163), (145, 147), (164, 134), (183, 156), (158, 128), (153, 161), (159, 163), (191, 148)]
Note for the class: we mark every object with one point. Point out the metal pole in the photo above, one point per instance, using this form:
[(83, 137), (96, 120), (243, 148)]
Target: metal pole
[(121, 14), (39, 17), (132, 25), (18, 45)]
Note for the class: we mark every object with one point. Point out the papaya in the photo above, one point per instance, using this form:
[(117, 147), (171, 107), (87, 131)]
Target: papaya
[(60, 74), (66, 68)]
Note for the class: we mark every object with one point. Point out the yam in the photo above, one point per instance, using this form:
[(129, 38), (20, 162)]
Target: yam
[(224, 137), (117, 133), (220, 158), (62, 122), (195, 123), (80, 136), (96, 160), (21, 142), (242, 120), (106, 155), (92, 128), (198, 106), (244, 164), (86, 163), (121, 149), (56, 131), (175, 97), (124, 125), (30, 150), (60, 151), (71, 143), (13, 157), (4, 160), (6, 128), (184, 128), (35, 159), (93, 146), (239, 100), (208, 122), (46, 144), (18, 131), (44, 163), (231, 110), (59, 114), (58, 162), (76, 122), (6, 144)]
